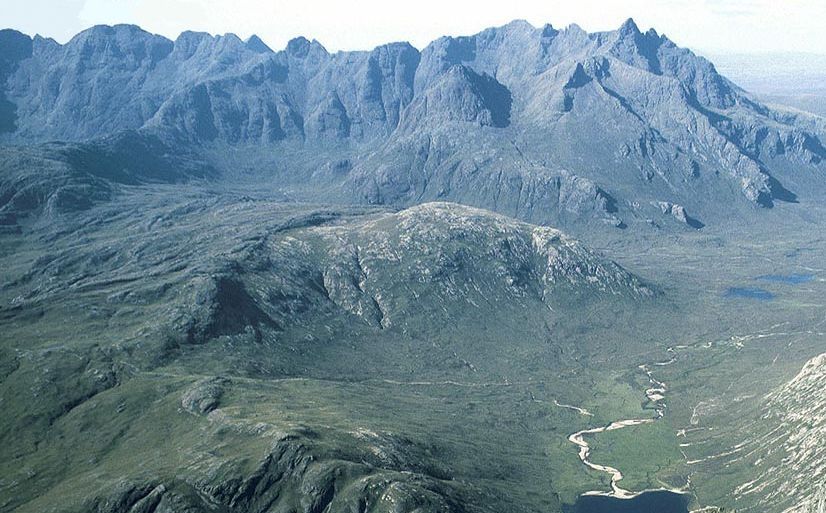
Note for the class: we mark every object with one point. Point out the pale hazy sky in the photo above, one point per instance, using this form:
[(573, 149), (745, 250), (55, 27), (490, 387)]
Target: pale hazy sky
[(737, 26)]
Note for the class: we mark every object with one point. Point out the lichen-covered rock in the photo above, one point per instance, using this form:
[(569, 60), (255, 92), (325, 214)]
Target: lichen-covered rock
[(204, 395), (678, 212), (449, 252)]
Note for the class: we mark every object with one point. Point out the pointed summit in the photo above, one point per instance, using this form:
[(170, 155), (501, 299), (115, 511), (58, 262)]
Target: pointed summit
[(629, 27), (255, 44), (633, 47), (548, 30)]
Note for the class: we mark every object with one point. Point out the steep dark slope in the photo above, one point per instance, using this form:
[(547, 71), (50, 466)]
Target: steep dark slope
[(16, 47), (302, 93), (108, 79), (39, 183)]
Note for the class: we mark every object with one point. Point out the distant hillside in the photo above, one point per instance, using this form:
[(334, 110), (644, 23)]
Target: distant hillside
[(795, 80)]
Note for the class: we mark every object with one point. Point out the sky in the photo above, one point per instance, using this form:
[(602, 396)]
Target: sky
[(715, 26)]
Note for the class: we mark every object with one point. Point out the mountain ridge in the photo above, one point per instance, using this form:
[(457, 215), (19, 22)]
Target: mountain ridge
[(643, 120)]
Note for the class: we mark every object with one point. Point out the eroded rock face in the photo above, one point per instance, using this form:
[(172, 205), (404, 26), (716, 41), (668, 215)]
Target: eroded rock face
[(678, 212), (790, 466), (461, 95), (204, 396), (453, 253)]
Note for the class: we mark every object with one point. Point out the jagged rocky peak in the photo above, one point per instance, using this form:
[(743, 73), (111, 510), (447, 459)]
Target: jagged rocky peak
[(394, 61), (517, 51), (627, 101), (388, 77), (657, 54), (441, 55), (198, 57), (518, 33), (190, 43), (629, 27), (495, 51), (635, 48), (301, 47), (102, 33), (255, 44), (392, 65)]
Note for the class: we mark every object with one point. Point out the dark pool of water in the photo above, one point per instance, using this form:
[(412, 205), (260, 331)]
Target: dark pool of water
[(750, 293), (790, 279), (648, 502)]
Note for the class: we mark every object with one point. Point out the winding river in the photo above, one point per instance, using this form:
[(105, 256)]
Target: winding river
[(655, 395)]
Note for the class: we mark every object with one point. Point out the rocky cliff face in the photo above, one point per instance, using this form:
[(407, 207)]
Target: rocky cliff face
[(791, 456), (500, 120)]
